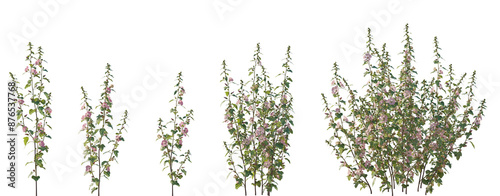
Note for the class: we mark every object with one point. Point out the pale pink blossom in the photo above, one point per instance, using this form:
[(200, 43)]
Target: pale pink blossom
[(37, 62), (27, 69), (230, 79), (48, 110), (118, 138), (164, 143), (20, 101), (180, 141), (391, 101), (42, 144), (88, 168), (335, 90), (181, 124), (105, 105), (34, 72), (267, 164), (181, 103), (367, 57), (25, 128)]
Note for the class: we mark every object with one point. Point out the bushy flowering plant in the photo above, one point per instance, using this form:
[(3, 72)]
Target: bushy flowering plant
[(171, 140), (401, 130), (34, 109), (98, 156), (260, 122)]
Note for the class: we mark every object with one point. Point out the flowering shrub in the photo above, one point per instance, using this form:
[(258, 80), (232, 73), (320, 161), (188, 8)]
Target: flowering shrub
[(32, 115), (172, 140), (99, 159), (260, 122), (401, 130)]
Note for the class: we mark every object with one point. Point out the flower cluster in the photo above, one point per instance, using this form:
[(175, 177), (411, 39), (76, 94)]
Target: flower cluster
[(34, 109), (259, 121), (171, 140), (99, 159), (401, 130)]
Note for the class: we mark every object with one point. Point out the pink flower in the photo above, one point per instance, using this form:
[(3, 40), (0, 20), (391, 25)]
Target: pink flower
[(37, 62), (180, 102), (478, 119), (341, 85), (48, 110), (88, 168), (383, 118), (164, 143), (391, 101), (108, 90), (104, 105), (230, 79), (118, 138), (251, 120), (27, 69), (185, 131), (107, 169), (335, 90), (345, 119), (367, 57), (337, 110), (20, 101), (262, 138), (88, 114), (407, 93), (260, 131), (25, 128), (182, 91), (230, 126), (34, 72), (109, 99), (93, 149), (42, 144), (267, 164), (267, 105), (180, 141), (84, 126), (440, 71), (181, 124), (83, 107)]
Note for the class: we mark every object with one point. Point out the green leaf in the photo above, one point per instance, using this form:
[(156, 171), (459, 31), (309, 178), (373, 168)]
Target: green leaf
[(101, 131), (26, 140), (116, 153), (36, 178)]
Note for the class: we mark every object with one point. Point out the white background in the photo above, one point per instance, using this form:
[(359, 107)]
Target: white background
[(148, 42)]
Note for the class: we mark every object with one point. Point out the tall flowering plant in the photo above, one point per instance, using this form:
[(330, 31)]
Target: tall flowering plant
[(34, 109), (101, 149), (171, 140), (401, 130), (259, 119)]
